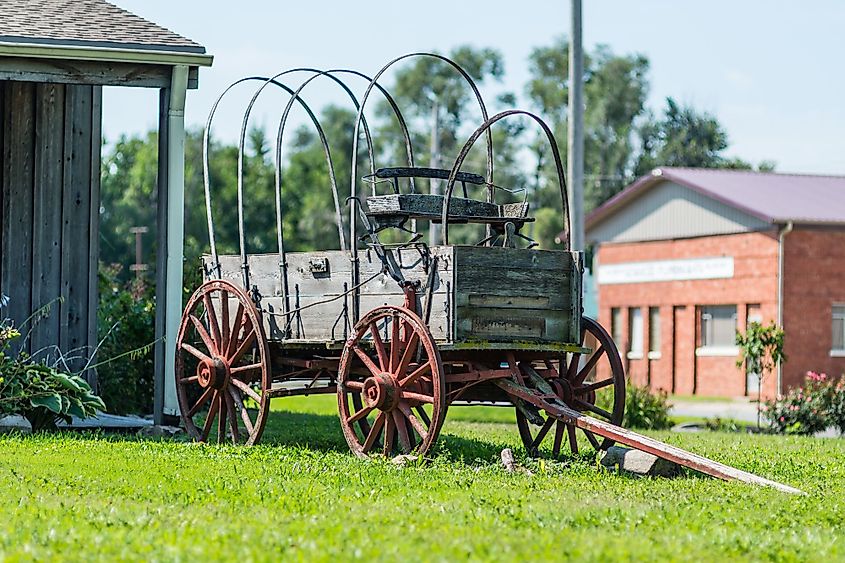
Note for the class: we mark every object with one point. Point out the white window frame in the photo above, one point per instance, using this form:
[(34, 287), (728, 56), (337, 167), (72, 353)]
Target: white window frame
[(636, 345), (654, 353), (834, 316), (722, 350)]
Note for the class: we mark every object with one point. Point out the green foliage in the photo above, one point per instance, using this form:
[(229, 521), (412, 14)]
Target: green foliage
[(760, 348), (126, 321), (646, 409), (164, 500), (803, 410), (39, 392)]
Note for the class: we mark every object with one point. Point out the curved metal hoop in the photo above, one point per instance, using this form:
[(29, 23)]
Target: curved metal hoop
[(485, 127), (206, 173)]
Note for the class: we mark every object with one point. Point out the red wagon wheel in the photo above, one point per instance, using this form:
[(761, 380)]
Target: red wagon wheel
[(593, 384), (222, 366), (391, 390)]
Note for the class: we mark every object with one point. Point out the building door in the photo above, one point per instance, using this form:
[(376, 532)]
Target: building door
[(752, 380), (683, 350)]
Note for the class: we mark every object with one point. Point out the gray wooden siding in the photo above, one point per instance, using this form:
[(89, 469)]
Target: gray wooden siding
[(668, 211), (49, 204)]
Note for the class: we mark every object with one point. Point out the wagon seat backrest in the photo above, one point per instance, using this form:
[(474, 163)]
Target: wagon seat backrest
[(393, 210)]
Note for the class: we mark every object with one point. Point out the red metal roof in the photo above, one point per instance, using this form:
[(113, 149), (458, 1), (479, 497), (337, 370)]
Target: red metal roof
[(772, 197)]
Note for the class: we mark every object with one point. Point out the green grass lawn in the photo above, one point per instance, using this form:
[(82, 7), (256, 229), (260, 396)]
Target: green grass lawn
[(301, 495)]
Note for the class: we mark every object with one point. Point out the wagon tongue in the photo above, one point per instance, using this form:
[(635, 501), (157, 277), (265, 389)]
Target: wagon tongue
[(557, 409)]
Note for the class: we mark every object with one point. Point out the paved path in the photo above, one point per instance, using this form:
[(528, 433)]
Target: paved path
[(739, 409)]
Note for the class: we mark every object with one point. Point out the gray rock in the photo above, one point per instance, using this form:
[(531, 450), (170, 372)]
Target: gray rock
[(160, 431), (15, 424), (639, 463)]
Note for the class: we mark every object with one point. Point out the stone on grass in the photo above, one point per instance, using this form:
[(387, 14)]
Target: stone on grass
[(404, 459), (15, 423), (639, 463), (158, 431)]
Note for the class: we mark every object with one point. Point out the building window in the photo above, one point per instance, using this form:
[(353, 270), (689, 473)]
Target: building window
[(635, 332), (837, 346), (718, 329), (654, 332), (616, 326)]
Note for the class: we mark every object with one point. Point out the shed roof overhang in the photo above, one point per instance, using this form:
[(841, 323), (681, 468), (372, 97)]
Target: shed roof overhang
[(93, 64)]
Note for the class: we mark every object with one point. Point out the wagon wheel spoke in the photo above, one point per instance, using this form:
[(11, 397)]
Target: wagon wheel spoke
[(593, 386), (407, 355), (212, 317), (593, 408), (389, 434), (224, 323), (378, 343), (244, 414), (374, 433), (590, 437), (363, 413), (572, 369), (250, 392), (395, 344), (402, 430), (201, 401), (365, 359), (411, 396), (423, 415), (204, 336), (558, 437), (241, 370), (573, 438), (588, 367), (233, 421), (186, 380), (415, 422), (235, 334), (248, 341), (416, 374), (209, 420), (542, 433), (222, 416), (195, 353), (354, 385)]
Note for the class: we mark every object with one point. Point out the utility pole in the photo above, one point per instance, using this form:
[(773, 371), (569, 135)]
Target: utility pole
[(138, 267), (433, 230), (575, 136)]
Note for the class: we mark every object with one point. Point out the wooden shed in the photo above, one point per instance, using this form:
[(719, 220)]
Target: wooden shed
[(55, 57)]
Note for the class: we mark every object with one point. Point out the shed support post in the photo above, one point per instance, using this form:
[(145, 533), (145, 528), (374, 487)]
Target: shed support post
[(171, 235)]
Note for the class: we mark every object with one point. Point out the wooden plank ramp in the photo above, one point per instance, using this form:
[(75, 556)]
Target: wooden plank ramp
[(557, 409)]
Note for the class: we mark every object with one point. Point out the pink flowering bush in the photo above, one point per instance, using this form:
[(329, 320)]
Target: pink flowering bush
[(808, 409)]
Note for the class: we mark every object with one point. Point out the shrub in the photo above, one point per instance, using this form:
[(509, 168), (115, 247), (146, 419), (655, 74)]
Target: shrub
[(803, 410), (126, 319), (646, 409), (39, 392)]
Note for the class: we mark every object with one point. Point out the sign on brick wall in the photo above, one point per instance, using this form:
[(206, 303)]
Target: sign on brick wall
[(666, 270)]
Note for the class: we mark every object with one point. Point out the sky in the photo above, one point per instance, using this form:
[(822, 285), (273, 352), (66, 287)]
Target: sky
[(772, 72)]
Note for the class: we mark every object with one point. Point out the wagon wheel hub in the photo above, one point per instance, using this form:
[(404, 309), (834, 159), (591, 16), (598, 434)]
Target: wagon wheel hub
[(213, 373), (382, 392)]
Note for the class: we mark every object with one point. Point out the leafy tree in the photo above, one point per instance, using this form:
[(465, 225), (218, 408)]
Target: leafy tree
[(615, 90), (761, 351)]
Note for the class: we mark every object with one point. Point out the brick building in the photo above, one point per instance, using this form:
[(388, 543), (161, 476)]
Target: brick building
[(684, 257)]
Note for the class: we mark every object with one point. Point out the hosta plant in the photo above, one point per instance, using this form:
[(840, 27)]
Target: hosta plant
[(41, 393)]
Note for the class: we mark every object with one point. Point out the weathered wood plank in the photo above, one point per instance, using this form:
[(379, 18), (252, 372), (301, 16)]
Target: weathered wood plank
[(422, 206), (161, 258), (18, 181), (47, 224), (3, 86), (76, 198), (507, 294), (94, 225), (85, 72)]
